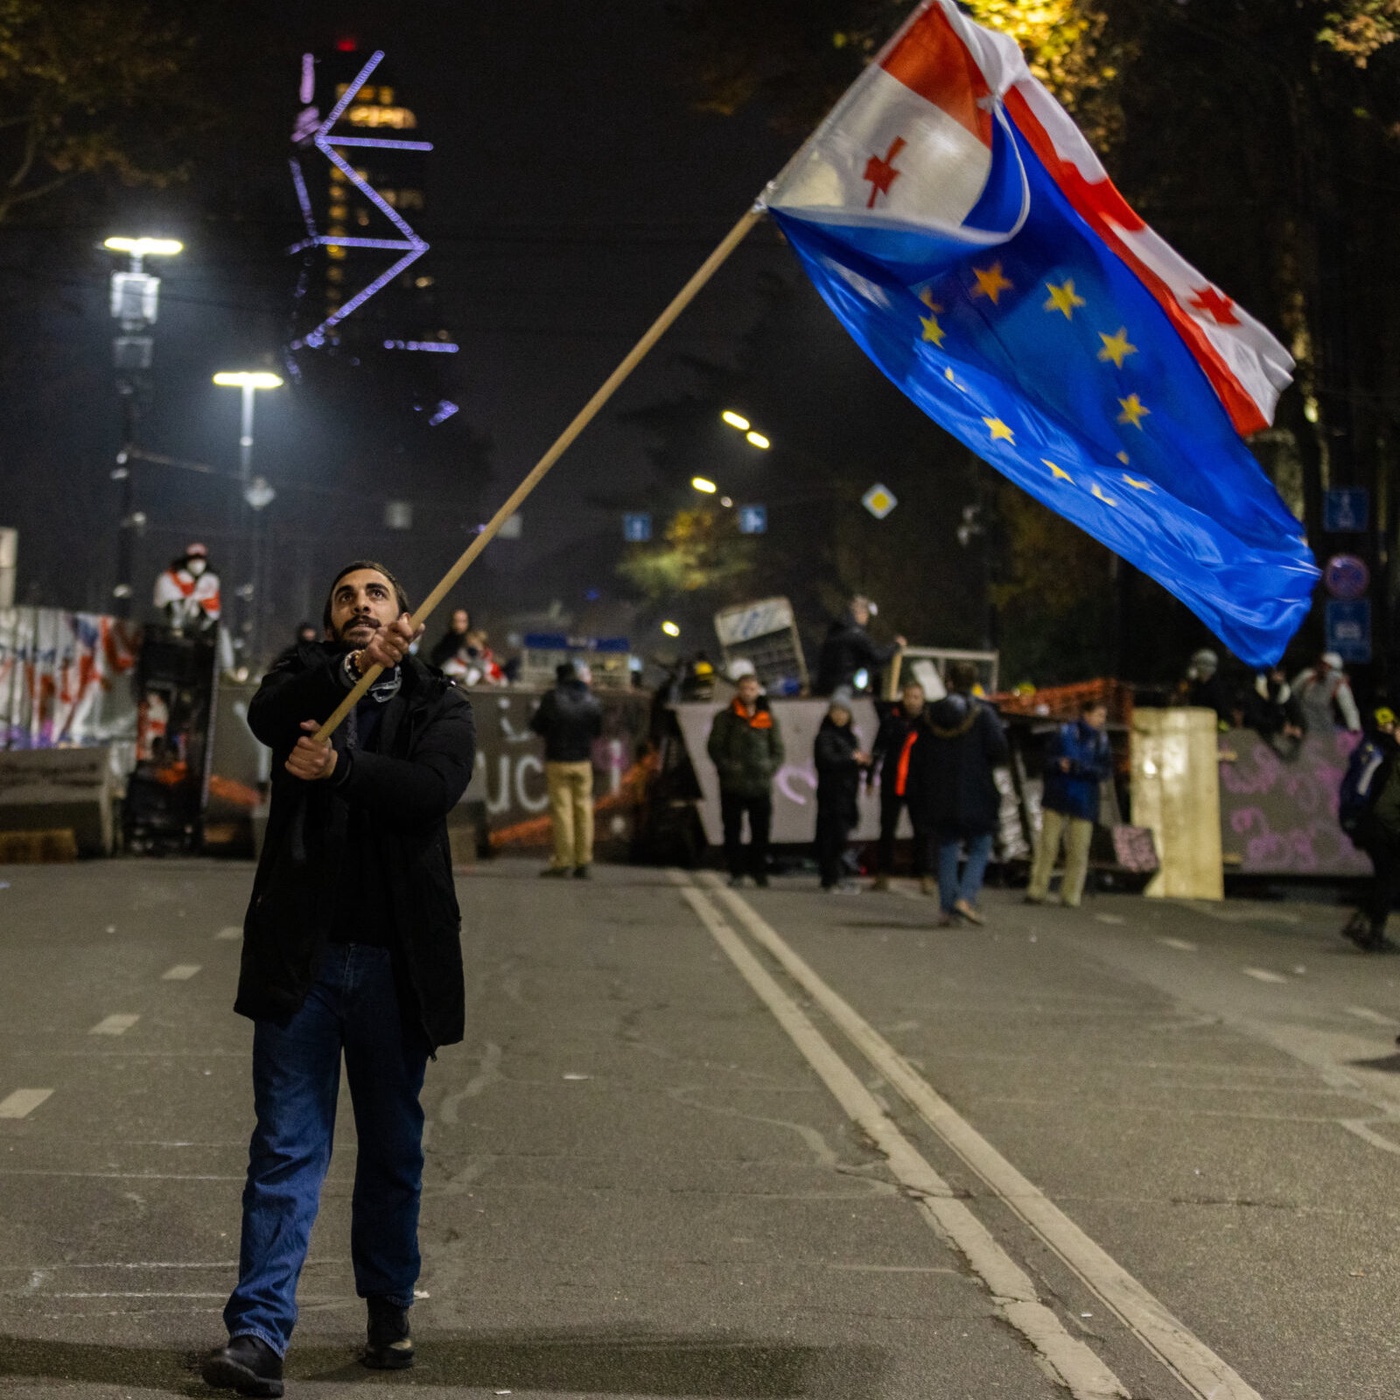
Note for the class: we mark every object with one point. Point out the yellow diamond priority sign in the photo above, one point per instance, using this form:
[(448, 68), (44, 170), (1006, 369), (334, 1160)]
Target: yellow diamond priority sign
[(879, 501)]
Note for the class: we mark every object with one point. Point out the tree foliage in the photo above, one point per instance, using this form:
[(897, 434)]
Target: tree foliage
[(88, 87)]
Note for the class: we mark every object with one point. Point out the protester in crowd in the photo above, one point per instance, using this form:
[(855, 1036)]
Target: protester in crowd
[(351, 946), (452, 645), (1368, 809), (1273, 712), (482, 666), (1203, 687), (569, 718), (890, 755), (1324, 695), (848, 650), (187, 593), (954, 791), (839, 760), (746, 747), (1077, 762)]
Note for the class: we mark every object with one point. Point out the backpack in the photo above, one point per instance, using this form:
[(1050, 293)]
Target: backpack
[(1359, 789)]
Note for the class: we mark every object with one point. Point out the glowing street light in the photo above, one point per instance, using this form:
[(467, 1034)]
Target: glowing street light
[(735, 420), (250, 381), (135, 304), (704, 484), (144, 247), (670, 629), (247, 379), (758, 440)]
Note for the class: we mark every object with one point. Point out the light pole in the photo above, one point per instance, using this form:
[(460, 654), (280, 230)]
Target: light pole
[(135, 304), (256, 491)]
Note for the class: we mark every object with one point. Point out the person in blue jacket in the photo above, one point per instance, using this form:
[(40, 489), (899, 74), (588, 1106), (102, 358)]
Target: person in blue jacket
[(1078, 761)]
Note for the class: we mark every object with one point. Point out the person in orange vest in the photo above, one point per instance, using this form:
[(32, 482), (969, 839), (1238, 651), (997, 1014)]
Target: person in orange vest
[(890, 757), (746, 747), (187, 593)]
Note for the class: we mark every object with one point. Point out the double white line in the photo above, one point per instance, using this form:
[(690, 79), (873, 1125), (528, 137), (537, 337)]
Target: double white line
[(1013, 1293)]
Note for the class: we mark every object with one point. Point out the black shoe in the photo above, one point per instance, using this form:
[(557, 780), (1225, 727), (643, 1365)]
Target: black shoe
[(1358, 929), (389, 1346), (247, 1365), (761, 881), (582, 872), (556, 872)]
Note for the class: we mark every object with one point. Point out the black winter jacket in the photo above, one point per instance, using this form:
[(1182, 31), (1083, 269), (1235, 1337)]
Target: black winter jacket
[(894, 729), (838, 774), (570, 719), (848, 648), (950, 768), (426, 749)]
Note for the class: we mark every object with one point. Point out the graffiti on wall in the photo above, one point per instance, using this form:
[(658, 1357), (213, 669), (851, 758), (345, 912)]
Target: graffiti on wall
[(1279, 816)]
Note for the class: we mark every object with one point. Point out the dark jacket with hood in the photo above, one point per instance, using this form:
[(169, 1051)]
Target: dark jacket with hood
[(426, 746), (951, 786), (848, 648), (569, 718), (838, 774)]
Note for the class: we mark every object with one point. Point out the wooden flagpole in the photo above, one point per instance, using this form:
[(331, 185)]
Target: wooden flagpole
[(635, 356)]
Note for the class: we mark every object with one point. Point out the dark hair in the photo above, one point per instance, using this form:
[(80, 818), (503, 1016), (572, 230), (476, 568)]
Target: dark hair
[(399, 594), (962, 676), (1093, 703)]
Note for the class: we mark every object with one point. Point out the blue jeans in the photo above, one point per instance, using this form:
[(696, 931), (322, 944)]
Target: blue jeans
[(979, 852), (351, 1008)]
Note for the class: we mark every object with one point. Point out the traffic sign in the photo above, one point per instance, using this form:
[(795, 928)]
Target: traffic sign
[(636, 527), (753, 520), (1346, 576), (1349, 628), (879, 501), (1346, 509)]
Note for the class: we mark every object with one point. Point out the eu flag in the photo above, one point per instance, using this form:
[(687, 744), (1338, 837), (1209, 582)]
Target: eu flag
[(964, 232)]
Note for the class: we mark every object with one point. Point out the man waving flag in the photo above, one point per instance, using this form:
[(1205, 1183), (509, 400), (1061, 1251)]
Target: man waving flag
[(962, 229)]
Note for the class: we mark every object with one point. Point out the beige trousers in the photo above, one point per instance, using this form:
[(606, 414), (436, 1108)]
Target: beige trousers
[(571, 811), (1077, 833)]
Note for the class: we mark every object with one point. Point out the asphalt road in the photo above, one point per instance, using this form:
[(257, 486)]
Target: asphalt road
[(775, 1144)]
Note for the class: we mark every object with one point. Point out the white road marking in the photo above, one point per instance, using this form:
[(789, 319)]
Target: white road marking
[(1182, 944), (1366, 1134), (1110, 918), (114, 1025), (181, 972), (1364, 1013), (1086, 1377), (1262, 974), (231, 932), (22, 1102), (1191, 1359)]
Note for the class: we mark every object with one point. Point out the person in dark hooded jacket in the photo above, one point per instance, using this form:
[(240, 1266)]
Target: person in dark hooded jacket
[(839, 760), (351, 947), (569, 719), (954, 791), (849, 649)]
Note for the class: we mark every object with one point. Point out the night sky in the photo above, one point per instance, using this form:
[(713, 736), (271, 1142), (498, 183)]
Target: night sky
[(574, 187)]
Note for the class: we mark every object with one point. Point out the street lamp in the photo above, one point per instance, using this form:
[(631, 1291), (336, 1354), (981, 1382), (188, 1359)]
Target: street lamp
[(739, 423), (250, 381), (704, 485), (135, 298), (257, 492), (670, 629)]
